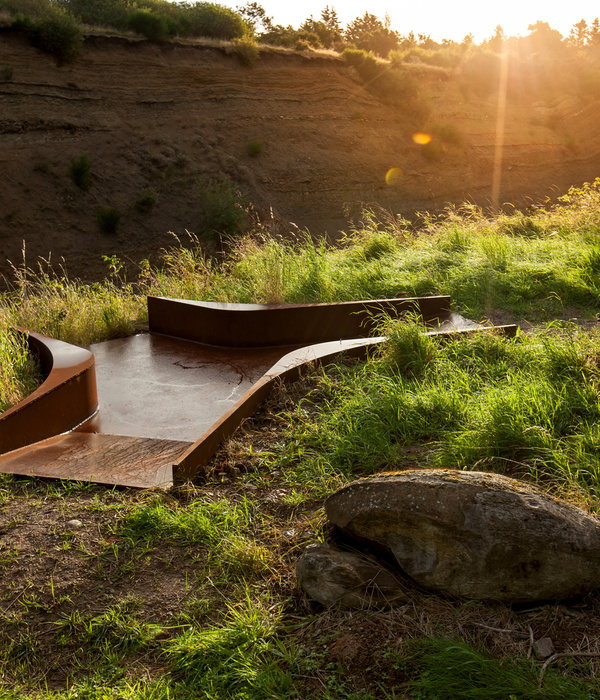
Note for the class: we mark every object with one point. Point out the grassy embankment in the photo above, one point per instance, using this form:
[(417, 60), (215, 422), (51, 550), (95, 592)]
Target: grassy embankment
[(239, 628)]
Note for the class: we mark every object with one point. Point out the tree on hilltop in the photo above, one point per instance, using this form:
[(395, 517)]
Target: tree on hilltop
[(330, 18), (579, 34), (370, 34), (327, 29), (255, 16), (543, 39)]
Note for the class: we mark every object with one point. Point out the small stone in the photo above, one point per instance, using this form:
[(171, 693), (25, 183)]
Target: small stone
[(543, 648), (74, 524), (351, 580)]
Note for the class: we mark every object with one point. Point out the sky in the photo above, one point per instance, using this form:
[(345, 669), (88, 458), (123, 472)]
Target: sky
[(442, 19)]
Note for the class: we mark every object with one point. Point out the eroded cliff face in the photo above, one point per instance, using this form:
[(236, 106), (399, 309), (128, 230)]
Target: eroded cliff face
[(163, 116)]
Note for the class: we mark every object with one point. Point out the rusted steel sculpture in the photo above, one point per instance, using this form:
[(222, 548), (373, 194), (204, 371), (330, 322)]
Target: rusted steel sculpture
[(65, 399), (201, 370)]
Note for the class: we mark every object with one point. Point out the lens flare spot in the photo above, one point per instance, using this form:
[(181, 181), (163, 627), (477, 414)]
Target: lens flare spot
[(393, 176), (421, 138)]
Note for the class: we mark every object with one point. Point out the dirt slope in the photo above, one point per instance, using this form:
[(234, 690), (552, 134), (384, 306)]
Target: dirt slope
[(161, 116)]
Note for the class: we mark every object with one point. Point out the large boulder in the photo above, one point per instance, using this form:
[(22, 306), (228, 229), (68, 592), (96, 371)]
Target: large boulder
[(348, 579), (474, 534)]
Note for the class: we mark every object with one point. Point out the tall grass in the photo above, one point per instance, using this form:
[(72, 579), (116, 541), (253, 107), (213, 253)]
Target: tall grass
[(527, 407), (18, 369), (536, 267), (78, 313)]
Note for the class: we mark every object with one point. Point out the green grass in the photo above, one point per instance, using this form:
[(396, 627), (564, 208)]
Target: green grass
[(449, 669), (108, 219), (536, 267), (18, 369), (222, 530), (527, 406), (81, 172)]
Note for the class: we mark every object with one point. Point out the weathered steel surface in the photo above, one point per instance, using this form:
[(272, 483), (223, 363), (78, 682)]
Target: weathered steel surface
[(105, 459), (286, 369), (155, 386), (453, 324), (261, 325), (66, 397)]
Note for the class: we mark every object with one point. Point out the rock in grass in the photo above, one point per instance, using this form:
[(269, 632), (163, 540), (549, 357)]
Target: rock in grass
[(474, 534), (347, 579)]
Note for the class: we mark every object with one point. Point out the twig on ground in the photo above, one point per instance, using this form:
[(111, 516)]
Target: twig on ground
[(15, 599), (565, 655), (515, 633)]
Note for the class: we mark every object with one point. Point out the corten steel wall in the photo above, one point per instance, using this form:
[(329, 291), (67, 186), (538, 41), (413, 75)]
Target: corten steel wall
[(67, 397), (261, 325), (305, 333), (325, 331)]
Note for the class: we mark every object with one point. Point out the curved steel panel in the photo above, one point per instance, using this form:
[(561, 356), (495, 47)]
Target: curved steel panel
[(263, 325), (288, 369), (65, 399)]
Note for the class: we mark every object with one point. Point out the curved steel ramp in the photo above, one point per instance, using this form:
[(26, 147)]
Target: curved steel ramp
[(130, 411)]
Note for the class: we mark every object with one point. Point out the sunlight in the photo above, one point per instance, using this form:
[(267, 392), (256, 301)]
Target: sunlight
[(500, 127), (393, 176), (421, 138)]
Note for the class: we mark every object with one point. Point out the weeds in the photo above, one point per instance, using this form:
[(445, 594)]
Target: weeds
[(146, 201), (81, 172), (254, 148), (223, 209), (108, 219)]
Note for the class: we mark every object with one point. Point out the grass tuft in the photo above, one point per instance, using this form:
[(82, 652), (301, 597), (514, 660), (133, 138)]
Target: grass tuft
[(81, 172), (108, 219), (448, 670)]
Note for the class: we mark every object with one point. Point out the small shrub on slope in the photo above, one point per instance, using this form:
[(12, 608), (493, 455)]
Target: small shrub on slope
[(146, 201), (149, 24), (81, 172), (108, 219), (58, 34), (246, 50), (223, 208)]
